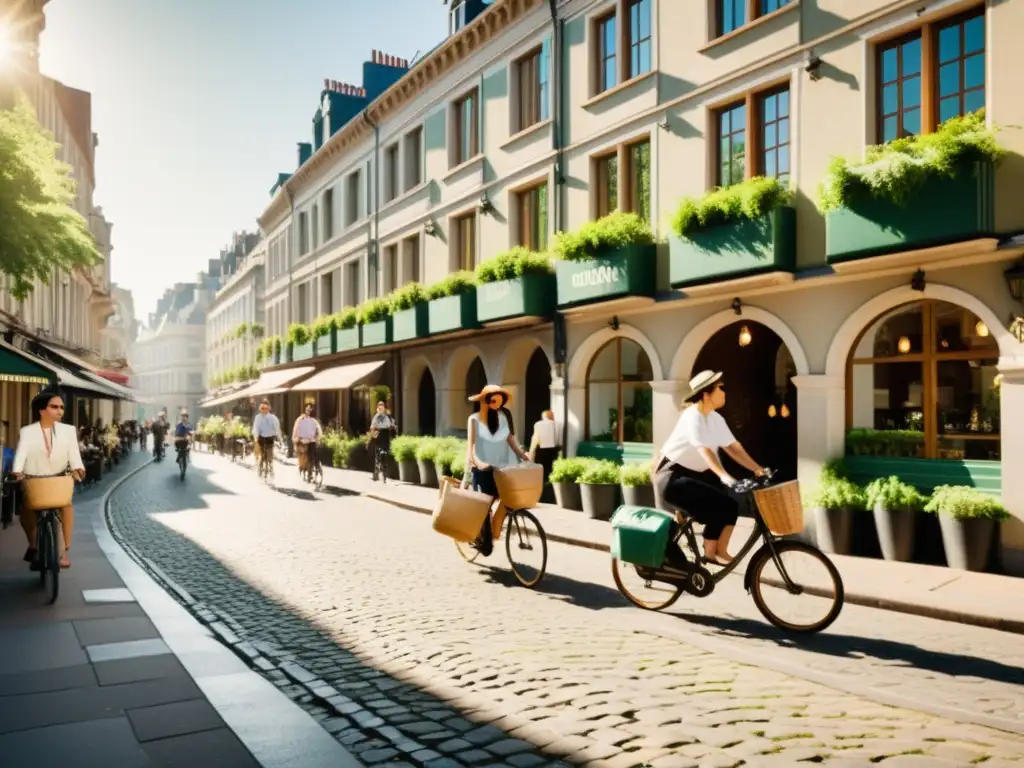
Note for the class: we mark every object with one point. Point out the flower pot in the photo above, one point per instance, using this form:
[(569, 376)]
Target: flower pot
[(967, 541), (834, 528), (409, 471), (428, 475), (600, 501), (638, 495), (895, 532), (567, 496)]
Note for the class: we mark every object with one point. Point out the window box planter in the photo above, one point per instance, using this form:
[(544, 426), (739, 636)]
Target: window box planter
[(344, 339), (377, 333), (944, 211), (410, 323), (302, 351), (623, 273), (452, 313), (926, 474), (526, 296), (742, 248), (619, 453)]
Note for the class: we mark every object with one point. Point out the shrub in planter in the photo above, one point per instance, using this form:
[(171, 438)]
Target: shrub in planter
[(635, 480), (895, 506), (835, 504), (299, 334), (426, 454), (967, 519), (345, 451), (403, 449), (599, 489), (885, 442), (609, 233), (565, 475)]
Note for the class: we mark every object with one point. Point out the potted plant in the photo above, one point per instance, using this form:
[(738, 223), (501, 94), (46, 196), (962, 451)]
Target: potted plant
[(835, 504), (347, 333), (635, 480), (599, 489), (403, 449), (426, 454), (895, 506), (324, 341), (515, 283), (451, 304), (409, 316), (300, 344), (967, 519), (564, 478), (375, 319)]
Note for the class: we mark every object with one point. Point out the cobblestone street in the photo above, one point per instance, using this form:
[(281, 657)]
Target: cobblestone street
[(408, 654)]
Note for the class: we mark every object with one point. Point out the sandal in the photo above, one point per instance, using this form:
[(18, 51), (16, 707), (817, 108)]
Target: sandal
[(65, 561)]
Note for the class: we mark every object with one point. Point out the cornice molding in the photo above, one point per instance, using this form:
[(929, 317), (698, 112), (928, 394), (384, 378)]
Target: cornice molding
[(489, 25)]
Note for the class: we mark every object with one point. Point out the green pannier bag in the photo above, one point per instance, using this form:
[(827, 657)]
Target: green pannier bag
[(640, 535)]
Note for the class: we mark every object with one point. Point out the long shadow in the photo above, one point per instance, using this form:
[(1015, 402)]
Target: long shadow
[(568, 590), (854, 646)]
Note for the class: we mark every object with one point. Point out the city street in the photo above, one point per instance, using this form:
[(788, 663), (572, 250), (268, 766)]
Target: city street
[(406, 653)]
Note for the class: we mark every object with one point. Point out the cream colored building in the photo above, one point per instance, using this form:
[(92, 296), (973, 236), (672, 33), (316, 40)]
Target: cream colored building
[(239, 301), (468, 155)]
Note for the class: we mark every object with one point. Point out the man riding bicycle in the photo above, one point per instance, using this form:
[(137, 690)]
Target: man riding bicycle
[(265, 429), (305, 434), (382, 427), (183, 432)]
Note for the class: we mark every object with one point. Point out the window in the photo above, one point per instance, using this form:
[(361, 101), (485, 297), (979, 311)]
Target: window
[(353, 289), (303, 233), (328, 214), (326, 293), (770, 6), (465, 241), (915, 92), (466, 143), (533, 88), (390, 268), (314, 220), (774, 114), (639, 17), (352, 198), (926, 375), (607, 62), (411, 260), (732, 14), (753, 137), (638, 164), (533, 218), (732, 143), (195, 382), (607, 188), (413, 158), (619, 407), (391, 186)]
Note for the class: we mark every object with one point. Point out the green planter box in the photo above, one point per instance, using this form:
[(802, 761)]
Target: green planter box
[(288, 352), (452, 313), (527, 296), (377, 333), (629, 271), (620, 454), (410, 323), (745, 247), (944, 211), (346, 339), (926, 474), (276, 356), (303, 351)]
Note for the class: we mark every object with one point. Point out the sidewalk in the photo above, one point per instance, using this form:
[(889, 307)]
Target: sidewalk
[(116, 673), (980, 599)]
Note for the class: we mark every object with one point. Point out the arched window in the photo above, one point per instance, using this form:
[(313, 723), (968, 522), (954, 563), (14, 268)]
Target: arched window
[(923, 381), (619, 408)]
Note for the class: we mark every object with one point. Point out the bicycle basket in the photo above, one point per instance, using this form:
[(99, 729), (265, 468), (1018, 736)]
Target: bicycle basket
[(781, 508), (48, 492), (460, 513), (521, 486)]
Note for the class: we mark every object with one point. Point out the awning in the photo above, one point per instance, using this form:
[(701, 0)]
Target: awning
[(64, 378), (115, 376), (124, 393), (230, 397), (76, 361), (22, 368), (270, 382), (342, 377)]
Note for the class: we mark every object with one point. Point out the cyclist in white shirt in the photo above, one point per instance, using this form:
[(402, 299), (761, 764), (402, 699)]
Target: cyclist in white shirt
[(306, 433), (265, 429)]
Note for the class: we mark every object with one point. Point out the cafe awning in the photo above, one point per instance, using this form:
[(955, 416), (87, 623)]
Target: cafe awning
[(269, 382), (64, 378), (124, 393), (341, 377), (21, 367)]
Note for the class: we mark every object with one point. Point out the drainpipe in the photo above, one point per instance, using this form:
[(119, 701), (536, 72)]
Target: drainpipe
[(373, 242)]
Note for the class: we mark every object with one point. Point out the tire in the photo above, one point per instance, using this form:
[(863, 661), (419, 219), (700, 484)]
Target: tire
[(512, 529), (182, 465), (50, 561), (676, 592), (755, 570), (466, 551)]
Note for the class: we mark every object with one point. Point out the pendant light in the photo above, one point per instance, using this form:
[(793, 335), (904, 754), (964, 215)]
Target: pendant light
[(745, 337), (903, 345)]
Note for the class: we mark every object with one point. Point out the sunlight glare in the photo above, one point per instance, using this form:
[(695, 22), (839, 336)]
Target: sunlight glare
[(6, 44)]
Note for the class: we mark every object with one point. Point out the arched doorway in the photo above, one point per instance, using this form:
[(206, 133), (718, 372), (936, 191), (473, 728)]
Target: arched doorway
[(538, 393), (476, 377), (426, 401), (619, 406), (760, 403)]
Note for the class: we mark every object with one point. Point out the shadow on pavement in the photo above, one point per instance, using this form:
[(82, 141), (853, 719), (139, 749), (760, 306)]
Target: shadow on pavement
[(853, 646), (582, 593)]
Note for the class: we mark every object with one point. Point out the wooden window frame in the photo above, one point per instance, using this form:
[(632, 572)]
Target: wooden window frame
[(620, 11), (602, 56), (529, 93), (752, 100), (411, 138), (624, 175), (929, 359), (599, 188), (474, 134), (393, 166), (620, 386), (753, 11), (761, 124), (458, 224), (629, 44), (524, 215)]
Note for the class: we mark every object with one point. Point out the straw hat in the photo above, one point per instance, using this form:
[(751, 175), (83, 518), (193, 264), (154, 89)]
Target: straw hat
[(491, 389), (702, 381)]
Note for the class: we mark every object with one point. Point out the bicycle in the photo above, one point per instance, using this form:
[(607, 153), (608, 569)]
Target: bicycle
[(698, 581), (313, 472), (380, 467), (182, 449), (265, 462), (48, 524)]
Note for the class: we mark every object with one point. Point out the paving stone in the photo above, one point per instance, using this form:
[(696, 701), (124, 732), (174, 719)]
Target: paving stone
[(509, 747), (454, 745)]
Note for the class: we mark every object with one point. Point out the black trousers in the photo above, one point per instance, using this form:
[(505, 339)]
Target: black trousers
[(483, 481), (696, 494)]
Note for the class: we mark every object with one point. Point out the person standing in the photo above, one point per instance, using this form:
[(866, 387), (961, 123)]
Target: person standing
[(47, 446), (159, 433), (544, 447)]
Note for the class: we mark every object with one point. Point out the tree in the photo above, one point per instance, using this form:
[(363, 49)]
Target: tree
[(39, 228)]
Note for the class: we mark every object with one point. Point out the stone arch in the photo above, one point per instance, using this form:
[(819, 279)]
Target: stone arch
[(513, 366), (516, 355), (701, 334), (854, 325), (595, 343), (413, 371), (454, 395)]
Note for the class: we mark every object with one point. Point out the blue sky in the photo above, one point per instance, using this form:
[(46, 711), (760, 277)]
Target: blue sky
[(199, 103)]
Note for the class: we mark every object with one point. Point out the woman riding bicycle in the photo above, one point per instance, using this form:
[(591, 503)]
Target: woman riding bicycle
[(305, 434), (688, 474), (491, 444)]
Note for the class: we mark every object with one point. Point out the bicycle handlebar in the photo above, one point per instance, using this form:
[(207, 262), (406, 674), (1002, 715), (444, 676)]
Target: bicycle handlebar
[(754, 483)]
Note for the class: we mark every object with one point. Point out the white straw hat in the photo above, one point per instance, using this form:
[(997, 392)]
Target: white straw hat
[(701, 382)]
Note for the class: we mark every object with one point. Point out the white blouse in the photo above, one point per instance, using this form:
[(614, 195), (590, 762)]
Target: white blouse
[(31, 457), (545, 432), (693, 431)]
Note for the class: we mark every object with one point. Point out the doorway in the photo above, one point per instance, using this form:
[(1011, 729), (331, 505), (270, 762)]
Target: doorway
[(427, 402), (537, 397)]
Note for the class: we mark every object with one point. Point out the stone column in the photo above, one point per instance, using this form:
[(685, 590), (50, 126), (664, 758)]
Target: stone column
[(576, 397), (821, 430), (1011, 416), (666, 396)]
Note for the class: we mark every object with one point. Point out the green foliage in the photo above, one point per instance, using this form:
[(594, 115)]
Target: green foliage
[(454, 284), (616, 230), (374, 310), (40, 230), (236, 428), (514, 263), (836, 492), (459, 466), (257, 330), (406, 297), (600, 472), (750, 199), (345, 319), (240, 331), (884, 442), (277, 346), (893, 493), (403, 447), (427, 449), (898, 170), (321, 327), (213, 426), (965, 503), (636, 474), (568, 470), (298, 334), (260, 353)]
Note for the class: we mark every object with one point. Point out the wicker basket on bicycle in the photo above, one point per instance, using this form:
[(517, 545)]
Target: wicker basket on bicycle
[(460, 512), (781, 508), (520, 486), (48, 492)]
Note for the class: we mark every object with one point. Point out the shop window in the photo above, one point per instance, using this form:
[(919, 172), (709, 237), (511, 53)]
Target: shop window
[(619, 406), (923, 382)]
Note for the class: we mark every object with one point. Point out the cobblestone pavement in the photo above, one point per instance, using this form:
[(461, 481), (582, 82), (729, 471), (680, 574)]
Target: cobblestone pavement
[(409, 655)]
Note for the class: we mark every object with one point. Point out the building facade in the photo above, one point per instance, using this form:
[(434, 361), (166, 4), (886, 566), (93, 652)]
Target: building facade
[(520, 126), (235, 321)]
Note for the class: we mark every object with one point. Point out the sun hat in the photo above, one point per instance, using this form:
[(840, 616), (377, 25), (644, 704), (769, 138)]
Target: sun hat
[(491, 389), (702, 381)]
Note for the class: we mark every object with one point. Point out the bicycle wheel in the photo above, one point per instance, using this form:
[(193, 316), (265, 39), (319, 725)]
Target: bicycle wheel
[(467, 551), (817, 586), (49, 574), (318, 477), (520, 538), (641, 592)]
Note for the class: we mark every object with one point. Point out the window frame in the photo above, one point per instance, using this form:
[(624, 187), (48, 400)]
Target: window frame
[(753, 11), (620, 386), (527, 202), (625, 200), (413, 173), (473, 150), (533, 80), (457, 227), (392, 171), (752, 99), (620, 13)]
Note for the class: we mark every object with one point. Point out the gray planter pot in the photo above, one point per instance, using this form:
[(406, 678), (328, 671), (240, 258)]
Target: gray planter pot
[(834, 528), (428, 475), (600, 501), (967, 541), (409, 471), (895, 532), (638, 495), (567, 496)]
